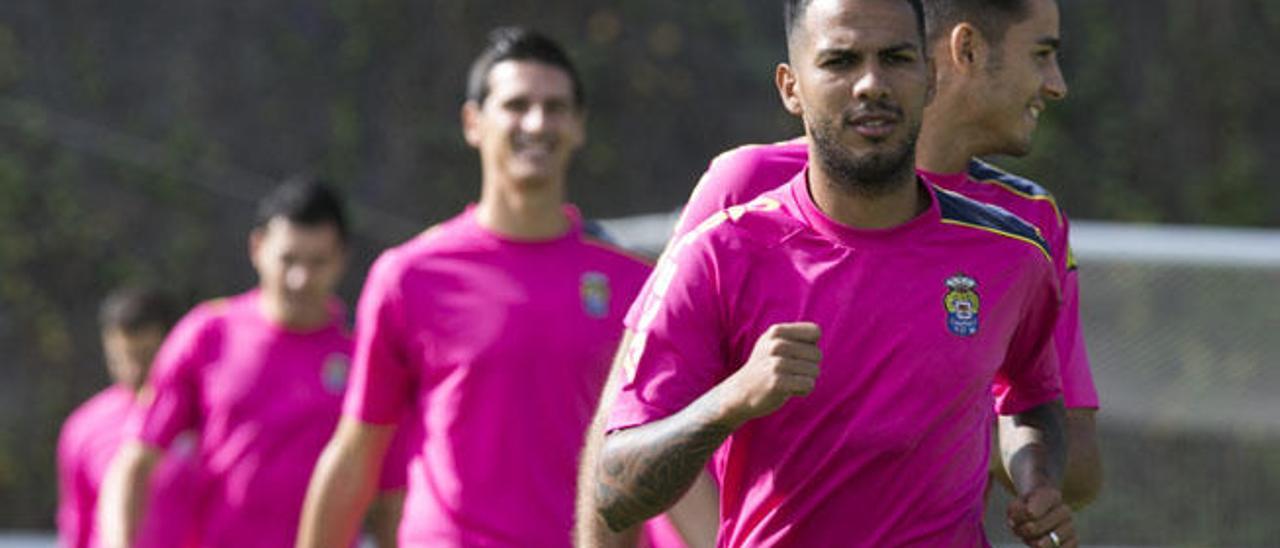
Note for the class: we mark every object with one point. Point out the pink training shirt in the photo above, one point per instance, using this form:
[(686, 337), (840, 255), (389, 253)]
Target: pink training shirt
[(891, 447), (266, 401), (90, 438), (738, 175), (501, 347)]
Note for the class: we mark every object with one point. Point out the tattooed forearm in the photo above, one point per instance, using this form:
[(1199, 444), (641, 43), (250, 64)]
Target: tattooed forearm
[(646, 469), (1033, 446)]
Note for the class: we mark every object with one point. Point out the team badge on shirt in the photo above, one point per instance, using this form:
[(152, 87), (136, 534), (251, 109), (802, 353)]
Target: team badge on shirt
[(334, 373), (962, 305), (594, 289)]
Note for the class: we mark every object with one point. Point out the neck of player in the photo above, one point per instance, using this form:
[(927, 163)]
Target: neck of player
[(303, 315), (946, 142), (903, 201), (523, 210)]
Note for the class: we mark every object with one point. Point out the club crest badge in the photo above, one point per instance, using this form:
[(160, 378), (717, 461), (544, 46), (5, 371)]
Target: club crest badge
[(334, 373), (962, 305), (594, 290)]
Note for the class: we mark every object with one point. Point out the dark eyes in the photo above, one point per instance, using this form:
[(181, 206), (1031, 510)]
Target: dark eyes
[(890, 59), (840, 61), (522, 105), (899, 58)]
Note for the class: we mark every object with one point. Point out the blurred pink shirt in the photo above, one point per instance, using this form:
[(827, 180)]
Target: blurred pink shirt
[(265, 399), (90, 438), (500, 348)]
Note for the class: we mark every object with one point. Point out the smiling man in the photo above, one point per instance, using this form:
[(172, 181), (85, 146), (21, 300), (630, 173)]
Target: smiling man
[(494, 330), (831, 344)]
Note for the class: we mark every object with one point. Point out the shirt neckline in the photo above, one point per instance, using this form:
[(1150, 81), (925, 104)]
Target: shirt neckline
[(861, 237)]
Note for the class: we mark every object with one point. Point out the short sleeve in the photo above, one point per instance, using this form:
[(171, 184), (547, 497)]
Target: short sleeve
[(395, 465), (170, 402), (1029, 377), (1078, 390), (675, 350), (381, 385)]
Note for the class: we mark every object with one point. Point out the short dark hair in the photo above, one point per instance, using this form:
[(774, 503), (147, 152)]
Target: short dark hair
[(793, 12), (520, 44), (992, 17), (303, 200), (132, 308)]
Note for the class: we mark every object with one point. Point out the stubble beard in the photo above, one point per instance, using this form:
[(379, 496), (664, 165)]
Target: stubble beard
[(868, 175)]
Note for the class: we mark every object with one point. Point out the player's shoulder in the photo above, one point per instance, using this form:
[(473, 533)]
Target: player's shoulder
[(984, 172), (439, 239), (92, 413), (213, 312), (989, 220), (762, 222)]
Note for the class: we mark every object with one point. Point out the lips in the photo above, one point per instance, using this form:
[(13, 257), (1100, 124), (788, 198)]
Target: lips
[(533, 148), (875, 125)]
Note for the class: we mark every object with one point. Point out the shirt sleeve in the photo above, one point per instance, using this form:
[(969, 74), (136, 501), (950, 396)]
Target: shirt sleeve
[(395, 465), (1078, 390), (170, 402), (74, 510), (1029, 377), (381, 387), (676, 349)]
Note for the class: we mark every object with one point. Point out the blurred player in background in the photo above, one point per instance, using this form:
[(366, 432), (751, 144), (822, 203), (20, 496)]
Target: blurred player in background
[(134, 322), (261, 375), (494, 329)]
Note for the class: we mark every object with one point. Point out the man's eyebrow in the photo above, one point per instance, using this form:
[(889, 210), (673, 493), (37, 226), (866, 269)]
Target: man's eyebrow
[(900, 46), (1055, 43)]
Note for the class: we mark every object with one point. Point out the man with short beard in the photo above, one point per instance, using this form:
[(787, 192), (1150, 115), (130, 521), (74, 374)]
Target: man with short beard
[(997, 69), (884, 307)]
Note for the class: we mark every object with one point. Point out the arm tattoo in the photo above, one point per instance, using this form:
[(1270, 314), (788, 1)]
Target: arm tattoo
[(646, 469)]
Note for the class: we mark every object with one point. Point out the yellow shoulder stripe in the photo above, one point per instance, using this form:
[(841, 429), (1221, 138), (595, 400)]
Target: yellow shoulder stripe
[(1043, 251), (1057, 213)]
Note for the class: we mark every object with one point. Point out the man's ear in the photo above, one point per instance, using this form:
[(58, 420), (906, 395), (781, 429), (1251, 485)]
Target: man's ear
[(969, 49), (788, 89), (471, 123), (255, 243)]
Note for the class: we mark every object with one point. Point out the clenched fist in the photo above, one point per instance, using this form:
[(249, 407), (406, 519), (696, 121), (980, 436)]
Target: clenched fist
[(783, 365)]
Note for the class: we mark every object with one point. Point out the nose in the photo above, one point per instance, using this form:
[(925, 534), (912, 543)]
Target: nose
[(297, 278), (534, 120), (871, 86), (1055, 84)]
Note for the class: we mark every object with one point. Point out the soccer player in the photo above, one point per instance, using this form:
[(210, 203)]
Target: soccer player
[(261, 375), (134, 321), (494, 330), (834, 341), (996, 71)]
